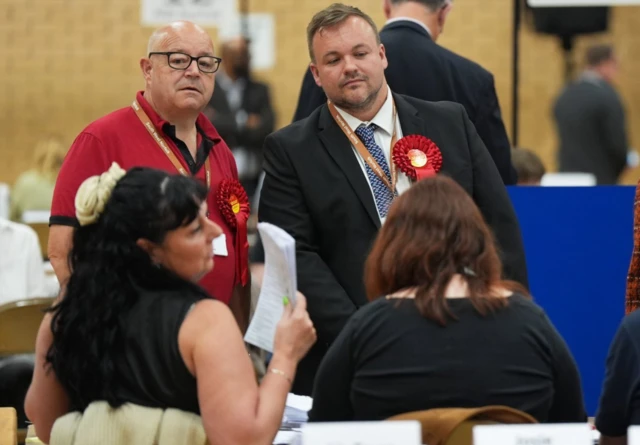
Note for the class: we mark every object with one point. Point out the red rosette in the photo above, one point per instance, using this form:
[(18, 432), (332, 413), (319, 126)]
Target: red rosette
[(234, 206), (417, 156)]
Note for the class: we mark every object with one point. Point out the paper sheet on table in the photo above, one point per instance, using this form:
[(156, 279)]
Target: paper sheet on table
[(279, 281)]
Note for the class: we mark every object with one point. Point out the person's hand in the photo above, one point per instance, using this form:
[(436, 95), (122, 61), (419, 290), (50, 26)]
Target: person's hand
[(295, 333), (253, 121)]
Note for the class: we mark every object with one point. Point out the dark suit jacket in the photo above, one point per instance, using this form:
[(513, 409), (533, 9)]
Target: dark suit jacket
[(256, 100), (420, 68), (314, 189), (591, 124)]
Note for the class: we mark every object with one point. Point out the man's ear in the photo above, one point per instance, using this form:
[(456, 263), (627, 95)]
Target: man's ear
[(151, 248), (314, 71), (145, 67), (442, 15), (386, 8)]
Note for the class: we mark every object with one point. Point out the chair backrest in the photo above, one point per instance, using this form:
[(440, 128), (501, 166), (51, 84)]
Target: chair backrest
[(453, 426), (19, 324), (42, 230), (8, 426)]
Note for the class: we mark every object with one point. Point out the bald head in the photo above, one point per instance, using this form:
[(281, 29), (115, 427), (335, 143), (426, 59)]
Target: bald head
[(168, 34), (174, 91), (235, 53), (234, 45)]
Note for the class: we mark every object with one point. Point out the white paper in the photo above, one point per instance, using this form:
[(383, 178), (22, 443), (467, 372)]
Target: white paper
[(279, 281), (303, 403), (633, 435), (533, 434), (220, 245), (296, 409), (363, 433), (260, 29), (288, 437), (202, 12)]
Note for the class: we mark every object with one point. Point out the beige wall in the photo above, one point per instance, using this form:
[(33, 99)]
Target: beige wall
[(67, 62)]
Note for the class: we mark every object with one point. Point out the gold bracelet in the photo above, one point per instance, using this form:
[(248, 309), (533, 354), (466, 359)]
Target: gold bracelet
[(277, 371)]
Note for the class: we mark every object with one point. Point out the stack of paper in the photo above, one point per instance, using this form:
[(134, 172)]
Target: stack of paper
[(294, 418), (279, 281), (296, 409)]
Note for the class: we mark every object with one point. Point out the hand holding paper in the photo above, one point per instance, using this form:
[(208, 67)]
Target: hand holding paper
[(295, 331)]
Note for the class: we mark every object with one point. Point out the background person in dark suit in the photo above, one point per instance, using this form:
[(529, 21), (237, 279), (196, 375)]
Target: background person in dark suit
[(318, 187), (240, 109), (590, 120), (419, 67)]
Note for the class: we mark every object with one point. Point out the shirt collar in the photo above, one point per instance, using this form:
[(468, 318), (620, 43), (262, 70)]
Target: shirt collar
[(383, 119), (5, 224), (202, 123), (409, 19)]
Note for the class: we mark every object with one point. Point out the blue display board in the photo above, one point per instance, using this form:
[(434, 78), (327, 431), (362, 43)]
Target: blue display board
[(578, 243)]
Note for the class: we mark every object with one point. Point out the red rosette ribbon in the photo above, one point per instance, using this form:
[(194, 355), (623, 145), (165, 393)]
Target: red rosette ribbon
[(234, 206), (417, 156)]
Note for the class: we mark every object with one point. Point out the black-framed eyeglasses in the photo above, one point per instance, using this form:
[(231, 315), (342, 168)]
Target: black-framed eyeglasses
[(182, 61)]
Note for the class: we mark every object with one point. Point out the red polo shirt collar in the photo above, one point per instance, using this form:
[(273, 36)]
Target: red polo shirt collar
[(202, 122)]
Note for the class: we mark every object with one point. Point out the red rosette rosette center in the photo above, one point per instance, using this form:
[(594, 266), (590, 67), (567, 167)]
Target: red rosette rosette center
[(234, 206), (417, 156)]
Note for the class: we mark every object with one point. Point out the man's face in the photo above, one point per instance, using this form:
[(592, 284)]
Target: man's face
[(349, 63), (188, 89), (610, 69), (240, 61)]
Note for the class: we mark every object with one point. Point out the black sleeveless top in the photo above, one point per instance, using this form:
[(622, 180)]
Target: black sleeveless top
[(150, 371)]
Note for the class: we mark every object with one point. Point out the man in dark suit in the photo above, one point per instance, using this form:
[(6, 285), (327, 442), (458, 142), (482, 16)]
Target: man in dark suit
[(240, 108), (327, 194), (419, 67), (590, 120)]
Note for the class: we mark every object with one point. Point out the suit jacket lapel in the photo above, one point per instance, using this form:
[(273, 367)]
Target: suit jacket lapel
[(410, 122), (340, 150)]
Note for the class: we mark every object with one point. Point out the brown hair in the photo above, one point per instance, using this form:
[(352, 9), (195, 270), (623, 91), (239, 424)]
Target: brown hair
[(598, 54), (433, 231), (333, 16), (48, 156), (528, 165)]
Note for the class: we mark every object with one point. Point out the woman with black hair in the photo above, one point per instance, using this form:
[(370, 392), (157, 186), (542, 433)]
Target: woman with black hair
[(133, 326)]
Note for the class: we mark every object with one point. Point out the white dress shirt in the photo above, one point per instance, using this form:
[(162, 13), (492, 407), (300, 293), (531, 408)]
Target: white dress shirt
[(21, 267), (383, 133)]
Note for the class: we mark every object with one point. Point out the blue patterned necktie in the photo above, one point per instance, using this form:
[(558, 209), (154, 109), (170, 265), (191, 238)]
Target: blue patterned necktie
[(383, 196)]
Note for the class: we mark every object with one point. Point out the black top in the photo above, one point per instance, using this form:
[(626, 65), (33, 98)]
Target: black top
[(389, 360), (151, 372), (620, 400)]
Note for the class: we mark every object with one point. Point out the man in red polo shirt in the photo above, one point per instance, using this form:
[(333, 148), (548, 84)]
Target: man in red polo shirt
[(165, 129)]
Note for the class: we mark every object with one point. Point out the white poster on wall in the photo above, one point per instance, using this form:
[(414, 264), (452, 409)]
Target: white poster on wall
[(261, 32), (208, 13)]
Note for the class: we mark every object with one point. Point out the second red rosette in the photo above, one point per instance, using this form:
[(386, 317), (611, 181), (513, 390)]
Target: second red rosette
[(417, 156), (234, 205)]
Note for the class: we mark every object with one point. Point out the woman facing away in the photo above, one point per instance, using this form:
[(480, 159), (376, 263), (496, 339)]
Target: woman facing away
[(33, 190), (443, 330), (134, 327)]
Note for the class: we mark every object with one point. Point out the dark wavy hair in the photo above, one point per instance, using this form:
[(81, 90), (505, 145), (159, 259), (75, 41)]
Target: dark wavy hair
[(433, 231), (108, 271)]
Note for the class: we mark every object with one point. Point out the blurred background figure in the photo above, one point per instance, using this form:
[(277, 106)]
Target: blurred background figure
[(22, 272), (33, 190), (241, 111), (590, 119), (528, 165)]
